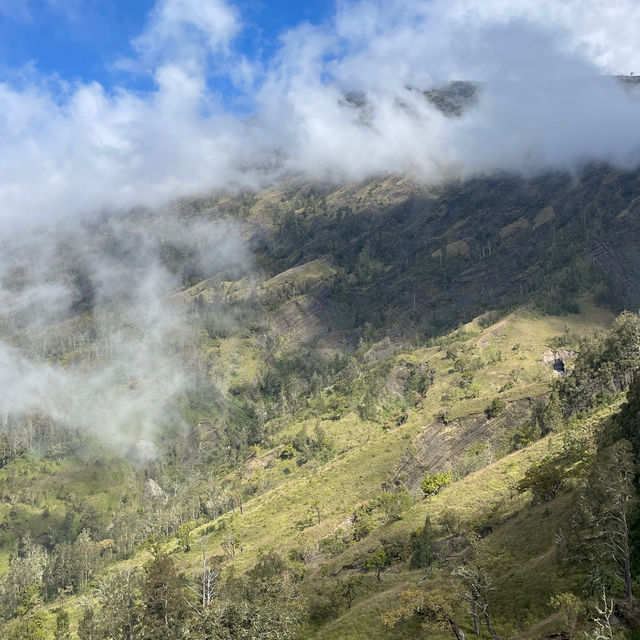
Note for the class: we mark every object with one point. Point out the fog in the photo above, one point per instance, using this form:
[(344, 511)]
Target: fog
[(71, 147), (95, 337)]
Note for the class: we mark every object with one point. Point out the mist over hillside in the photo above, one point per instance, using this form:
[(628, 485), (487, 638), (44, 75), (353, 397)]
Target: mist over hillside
[(547, 101), (321, 330)]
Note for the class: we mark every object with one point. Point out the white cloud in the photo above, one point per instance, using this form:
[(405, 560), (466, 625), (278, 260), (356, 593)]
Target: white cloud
[(186, 30), (603, 31), (69, 148), (136, 344), (77, 148)]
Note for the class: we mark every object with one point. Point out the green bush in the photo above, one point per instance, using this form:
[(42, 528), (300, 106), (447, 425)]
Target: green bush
[(288, 452), (434, 482), (394, 504), (496, 407)]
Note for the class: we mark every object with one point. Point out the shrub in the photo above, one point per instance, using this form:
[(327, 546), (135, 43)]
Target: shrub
[(434, 482), (496, 407), (288, 452), (363, 523), (393, 504)]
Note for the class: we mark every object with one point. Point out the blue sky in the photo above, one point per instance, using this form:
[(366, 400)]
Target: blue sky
[(81, 39)]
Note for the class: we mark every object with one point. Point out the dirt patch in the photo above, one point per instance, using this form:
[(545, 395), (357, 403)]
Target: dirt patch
[(548, 214), (521, 224), (263, 461), (458, 248)]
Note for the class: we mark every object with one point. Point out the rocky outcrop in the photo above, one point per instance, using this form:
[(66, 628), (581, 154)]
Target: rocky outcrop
[(153, 491), (442, 446)]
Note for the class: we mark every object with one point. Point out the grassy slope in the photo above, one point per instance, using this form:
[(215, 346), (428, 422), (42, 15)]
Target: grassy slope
[(368, 457), (372, 454), (40, 489), (525, 560)]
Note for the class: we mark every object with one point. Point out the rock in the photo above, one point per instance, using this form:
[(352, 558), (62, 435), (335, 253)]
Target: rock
[(558, 359), (153, 491), (381, 350)]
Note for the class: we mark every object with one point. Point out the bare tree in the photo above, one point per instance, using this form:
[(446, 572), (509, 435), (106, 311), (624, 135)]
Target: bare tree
[(602, 621), (210, 581), (230, 543), (600, 526), (474, 586)]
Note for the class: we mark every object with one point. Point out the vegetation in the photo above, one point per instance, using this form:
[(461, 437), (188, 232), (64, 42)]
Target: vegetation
[(362, 374), (434, 482)]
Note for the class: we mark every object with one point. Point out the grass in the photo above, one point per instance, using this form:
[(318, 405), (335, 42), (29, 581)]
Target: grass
[(370, 455), (282, 517)]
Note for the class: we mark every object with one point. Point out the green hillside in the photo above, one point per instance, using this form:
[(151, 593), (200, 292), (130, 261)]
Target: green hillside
[(401, 405)]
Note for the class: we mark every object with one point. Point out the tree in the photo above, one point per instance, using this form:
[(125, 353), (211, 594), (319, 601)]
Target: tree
[(184, 537), (206, 589), (163, 603), (622, 346), (315, 508), (88, 627), (32, 624), (451, 521), (63, 628), (118, 593), (544, 479), (423, 548), (345, 591), (570, 607), (600, 524), (602, 622), (263, 603), (363, 522), (434, 482), (230, 543), (30, 627), (474, 583), (377, 561), (627, 419), (249, 621), (25, 576), (496, 407), (88, 555), (432, 607), (208, 581), (269, 578)]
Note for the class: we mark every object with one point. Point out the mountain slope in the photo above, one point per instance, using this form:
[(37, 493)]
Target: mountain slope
[(373, 334)]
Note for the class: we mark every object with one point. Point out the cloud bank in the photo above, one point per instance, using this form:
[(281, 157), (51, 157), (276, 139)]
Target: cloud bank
[(94, 336), (70, 147)]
